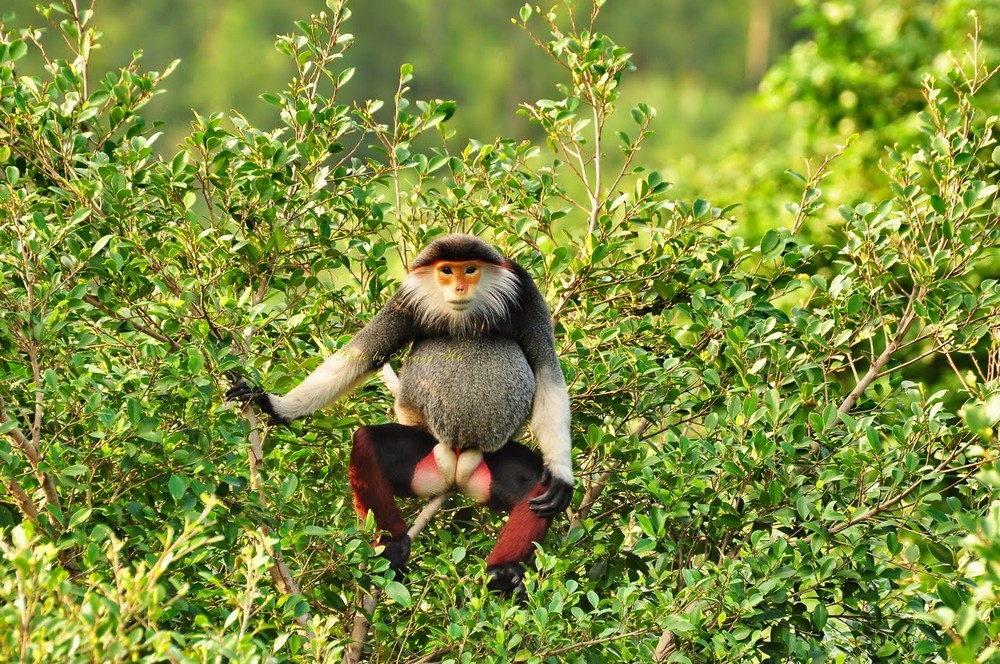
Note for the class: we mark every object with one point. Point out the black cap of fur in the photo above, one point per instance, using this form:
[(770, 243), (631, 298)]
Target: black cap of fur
[(458, 247)]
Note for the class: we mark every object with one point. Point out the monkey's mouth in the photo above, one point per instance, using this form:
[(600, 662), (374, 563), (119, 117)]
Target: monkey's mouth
[(460, 305)]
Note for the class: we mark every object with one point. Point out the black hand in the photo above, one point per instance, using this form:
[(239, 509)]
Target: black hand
[(508, 579), (397, 552), (555, 499), (240, 390), (243, 391)]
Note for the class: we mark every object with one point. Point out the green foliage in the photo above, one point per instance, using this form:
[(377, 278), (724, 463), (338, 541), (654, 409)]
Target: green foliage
[(763, 476), (864, 67), (857, 79)]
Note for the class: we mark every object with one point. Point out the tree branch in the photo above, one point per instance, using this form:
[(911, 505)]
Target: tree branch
[(590, 497), (368, 601), (145, 329), (892, 502), (873, 371), (30, 449), (667, 645), (23, 500)]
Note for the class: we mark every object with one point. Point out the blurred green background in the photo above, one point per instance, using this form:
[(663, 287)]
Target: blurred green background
[(697, 63), (744, 89)]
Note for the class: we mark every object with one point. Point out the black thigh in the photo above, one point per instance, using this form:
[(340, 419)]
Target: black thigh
[(398, 449), (515, 470)]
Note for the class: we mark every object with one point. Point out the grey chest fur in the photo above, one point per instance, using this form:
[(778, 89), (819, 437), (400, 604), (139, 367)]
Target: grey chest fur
[(473, 393)]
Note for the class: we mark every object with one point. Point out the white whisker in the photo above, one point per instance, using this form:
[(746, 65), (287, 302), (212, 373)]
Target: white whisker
[(497, 292)]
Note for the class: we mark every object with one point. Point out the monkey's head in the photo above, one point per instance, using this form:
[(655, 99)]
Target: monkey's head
[(461, 285)]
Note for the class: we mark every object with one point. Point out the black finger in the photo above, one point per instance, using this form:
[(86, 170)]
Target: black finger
[(553, 501), (241, 392), (397, 552)]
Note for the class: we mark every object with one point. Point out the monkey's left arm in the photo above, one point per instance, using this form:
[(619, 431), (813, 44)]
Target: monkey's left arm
[(550, 423), (550, 416)]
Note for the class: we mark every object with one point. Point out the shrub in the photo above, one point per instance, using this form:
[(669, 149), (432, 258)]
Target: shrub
[(761, 474)]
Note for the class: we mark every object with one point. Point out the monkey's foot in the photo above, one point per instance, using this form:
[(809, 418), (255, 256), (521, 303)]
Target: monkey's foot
[(508, 579), (397, 552)]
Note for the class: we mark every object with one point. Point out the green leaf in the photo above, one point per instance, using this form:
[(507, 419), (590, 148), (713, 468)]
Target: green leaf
[(272, 99), (701, 208), (874, 439), (100, 244), (820, 616), (80, 215), (75, 470), (772, 400), (892, 543), (711, 377), (888, 649), (771, 245), (804, 507), (133, 408), (398, 593), (980, 418), (855, 303), (677, 624), (949, 596), (178, 485), (195, 361), (289, 486), (17, 49), (179, 162), (79, 516), (345, 76), (525, 13)]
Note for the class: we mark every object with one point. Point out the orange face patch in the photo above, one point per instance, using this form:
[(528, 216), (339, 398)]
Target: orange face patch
[(458, 278)]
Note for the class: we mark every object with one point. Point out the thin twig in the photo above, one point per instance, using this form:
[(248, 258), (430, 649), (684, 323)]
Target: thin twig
[(367, 601), (280, 572), (895, 500), (145, 329)]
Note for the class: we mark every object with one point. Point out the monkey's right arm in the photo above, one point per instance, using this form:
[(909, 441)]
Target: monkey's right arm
[(390, 329)]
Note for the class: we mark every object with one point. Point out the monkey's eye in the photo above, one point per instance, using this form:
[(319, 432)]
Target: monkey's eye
[(471, 269), (446, 270)]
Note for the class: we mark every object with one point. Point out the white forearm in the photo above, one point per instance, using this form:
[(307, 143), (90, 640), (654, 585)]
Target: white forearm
[(550, 420), (339, 374)]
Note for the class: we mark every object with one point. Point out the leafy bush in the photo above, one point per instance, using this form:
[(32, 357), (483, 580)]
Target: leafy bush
[(761, 477)]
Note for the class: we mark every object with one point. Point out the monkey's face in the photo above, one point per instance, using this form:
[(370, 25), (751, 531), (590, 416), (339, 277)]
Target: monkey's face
[(457, 282)]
